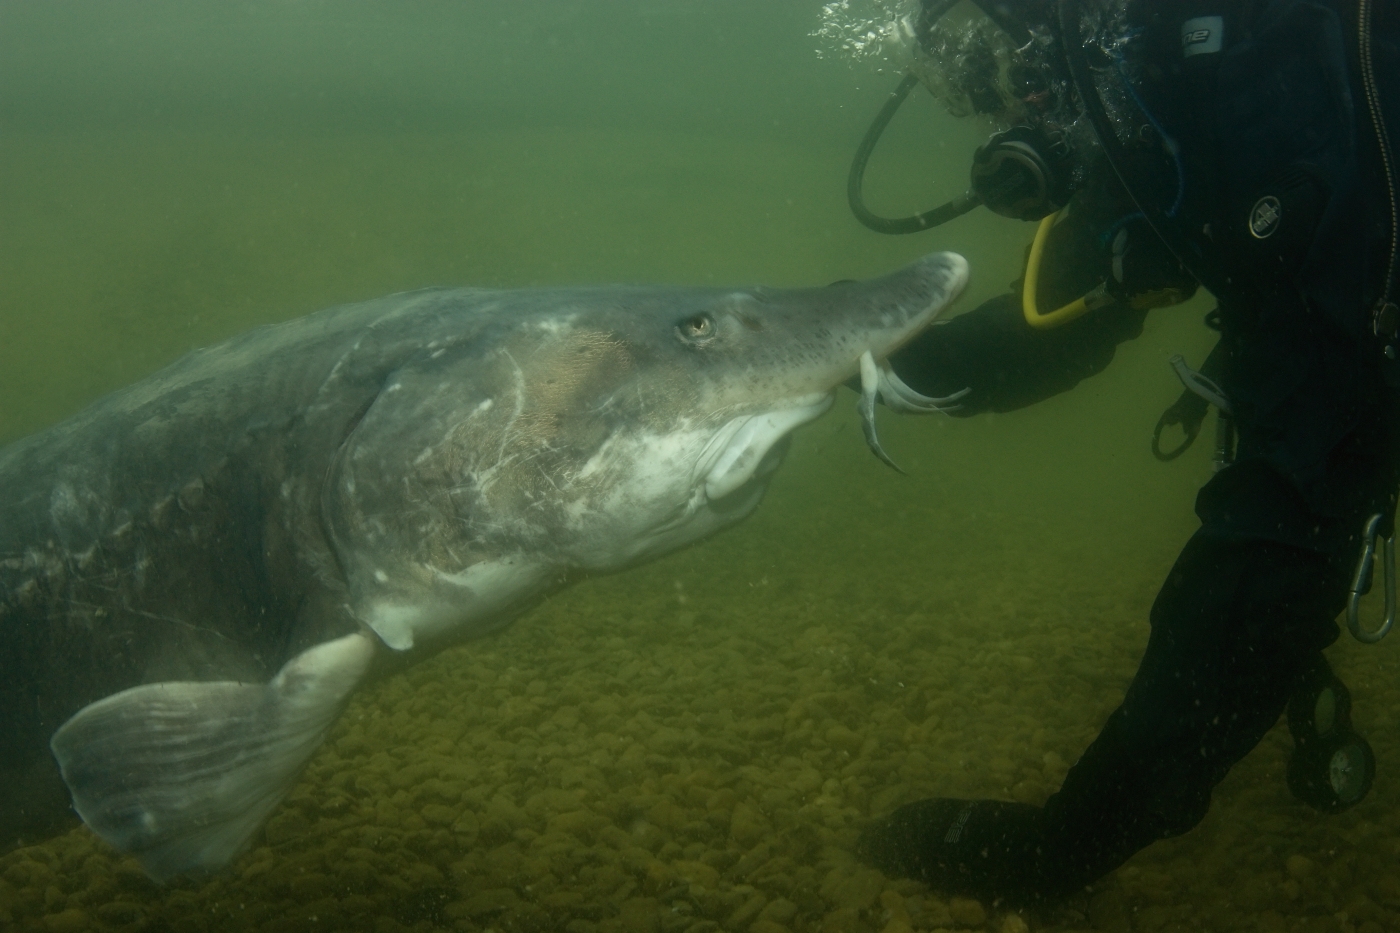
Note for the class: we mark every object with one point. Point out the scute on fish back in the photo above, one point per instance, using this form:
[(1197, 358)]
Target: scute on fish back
[(198, 570)]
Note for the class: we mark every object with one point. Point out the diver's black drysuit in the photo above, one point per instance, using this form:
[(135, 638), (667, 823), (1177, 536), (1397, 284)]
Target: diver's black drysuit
[(1243, 616)]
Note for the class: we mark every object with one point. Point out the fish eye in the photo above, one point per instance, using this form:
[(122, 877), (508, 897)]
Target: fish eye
[(698, 327)]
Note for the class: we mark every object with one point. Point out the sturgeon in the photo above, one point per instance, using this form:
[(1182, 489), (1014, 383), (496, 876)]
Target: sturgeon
[(198, 570)]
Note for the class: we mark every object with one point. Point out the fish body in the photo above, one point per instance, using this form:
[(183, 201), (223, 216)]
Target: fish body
[(198, 570)]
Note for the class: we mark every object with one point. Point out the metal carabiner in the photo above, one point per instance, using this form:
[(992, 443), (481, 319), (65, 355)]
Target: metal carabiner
[(1205, 388), (1361, 583), (1199, 383)]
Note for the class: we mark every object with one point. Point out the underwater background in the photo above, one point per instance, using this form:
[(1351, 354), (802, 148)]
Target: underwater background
[(691, 745)]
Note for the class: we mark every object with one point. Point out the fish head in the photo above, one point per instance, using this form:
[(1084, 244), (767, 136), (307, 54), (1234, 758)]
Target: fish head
[(590, 429)]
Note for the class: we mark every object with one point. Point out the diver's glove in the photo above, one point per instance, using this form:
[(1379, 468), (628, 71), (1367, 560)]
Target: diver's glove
[(985, 849)]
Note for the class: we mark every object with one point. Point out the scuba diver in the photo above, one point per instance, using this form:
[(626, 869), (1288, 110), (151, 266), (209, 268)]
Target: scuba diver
[(1245, 146)]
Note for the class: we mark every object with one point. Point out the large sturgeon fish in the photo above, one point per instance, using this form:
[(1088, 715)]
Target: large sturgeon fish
[(197, 571)]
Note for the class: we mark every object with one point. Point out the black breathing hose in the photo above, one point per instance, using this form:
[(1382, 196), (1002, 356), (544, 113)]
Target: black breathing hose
[(856, 179)]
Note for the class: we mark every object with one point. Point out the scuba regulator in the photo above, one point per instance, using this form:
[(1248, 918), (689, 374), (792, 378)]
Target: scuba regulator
[(1024, 172), (1009, 67)]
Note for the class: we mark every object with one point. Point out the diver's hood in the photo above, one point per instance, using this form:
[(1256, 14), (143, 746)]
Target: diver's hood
[(1019, 19), (1004, 64)]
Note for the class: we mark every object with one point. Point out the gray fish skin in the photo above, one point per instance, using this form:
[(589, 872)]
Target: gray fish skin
[(219, 553)]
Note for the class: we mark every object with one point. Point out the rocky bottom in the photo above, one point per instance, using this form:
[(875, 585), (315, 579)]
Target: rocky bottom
[(660, 752)]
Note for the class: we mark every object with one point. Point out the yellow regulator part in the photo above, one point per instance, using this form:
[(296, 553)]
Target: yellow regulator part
[(1096, 298)]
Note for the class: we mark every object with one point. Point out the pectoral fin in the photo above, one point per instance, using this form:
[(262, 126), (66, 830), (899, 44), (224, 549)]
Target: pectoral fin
[(182, 774)]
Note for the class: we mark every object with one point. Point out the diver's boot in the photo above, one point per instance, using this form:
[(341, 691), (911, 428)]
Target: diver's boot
[(983, 848), (1332, 767)]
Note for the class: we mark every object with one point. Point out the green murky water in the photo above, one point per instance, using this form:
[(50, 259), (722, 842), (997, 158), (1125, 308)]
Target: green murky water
[(691, 745)]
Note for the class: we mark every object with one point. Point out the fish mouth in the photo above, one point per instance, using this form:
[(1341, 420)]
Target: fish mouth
[(736, 451), (734, 454), (878, 380)]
